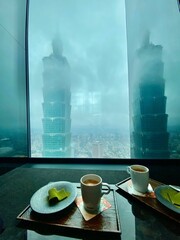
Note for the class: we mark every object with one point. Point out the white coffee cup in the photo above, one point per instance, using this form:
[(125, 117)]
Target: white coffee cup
[(139, 176), (91, 190)]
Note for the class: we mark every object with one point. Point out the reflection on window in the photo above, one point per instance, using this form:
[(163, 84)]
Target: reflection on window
[(150, 136), (153, 64)]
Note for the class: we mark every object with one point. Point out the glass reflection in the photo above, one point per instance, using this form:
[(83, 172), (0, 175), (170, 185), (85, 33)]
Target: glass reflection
[(153, 60)]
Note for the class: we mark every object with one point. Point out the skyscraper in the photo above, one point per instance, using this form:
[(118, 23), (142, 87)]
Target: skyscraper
[(97, 149), (150, 136), (56, 106)]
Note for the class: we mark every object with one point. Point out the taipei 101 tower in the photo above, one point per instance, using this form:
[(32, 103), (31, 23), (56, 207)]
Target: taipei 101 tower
[(150, 136), (56, 105)]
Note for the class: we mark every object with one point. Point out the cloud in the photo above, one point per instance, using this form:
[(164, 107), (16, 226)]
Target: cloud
[(94, 43), (162, 19)]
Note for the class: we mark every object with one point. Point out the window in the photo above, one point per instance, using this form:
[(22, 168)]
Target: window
[(78, 79), (13, 117), (101, 82), (153, 64)]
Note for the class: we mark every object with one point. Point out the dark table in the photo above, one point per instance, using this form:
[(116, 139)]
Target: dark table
[(137, 221)]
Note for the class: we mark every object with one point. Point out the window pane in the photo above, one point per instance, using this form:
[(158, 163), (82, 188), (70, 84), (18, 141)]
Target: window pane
[(78, 79), (153, 35), (13, 128)]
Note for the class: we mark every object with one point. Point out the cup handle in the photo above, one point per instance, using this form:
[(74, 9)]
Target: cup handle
[(108, 188), (128, 169)]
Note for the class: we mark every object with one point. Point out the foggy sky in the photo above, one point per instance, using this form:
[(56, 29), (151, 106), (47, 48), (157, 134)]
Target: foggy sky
[(94, 41), (93, 34), (162, 19)]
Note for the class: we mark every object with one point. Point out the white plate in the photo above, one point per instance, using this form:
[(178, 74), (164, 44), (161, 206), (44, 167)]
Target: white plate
[(39, 201), (163, 189)]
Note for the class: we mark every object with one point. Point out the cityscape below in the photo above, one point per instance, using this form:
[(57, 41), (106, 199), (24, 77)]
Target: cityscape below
[(108, 145)]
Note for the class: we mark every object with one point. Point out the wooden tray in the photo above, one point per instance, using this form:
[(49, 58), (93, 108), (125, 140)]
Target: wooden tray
[(70, 221), (150, 202)]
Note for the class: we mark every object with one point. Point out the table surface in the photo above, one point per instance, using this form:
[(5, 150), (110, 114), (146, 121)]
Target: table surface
[(137, 221)]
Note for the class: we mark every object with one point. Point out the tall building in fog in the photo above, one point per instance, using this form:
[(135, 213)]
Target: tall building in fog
[(97, 149), (149, 137), (56, 104)]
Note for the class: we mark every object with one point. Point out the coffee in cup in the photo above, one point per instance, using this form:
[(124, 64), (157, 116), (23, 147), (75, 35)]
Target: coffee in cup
[(139, 176), (91, 190)]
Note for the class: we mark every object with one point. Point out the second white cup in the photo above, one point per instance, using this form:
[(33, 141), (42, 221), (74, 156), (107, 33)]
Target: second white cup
[(139, 176)]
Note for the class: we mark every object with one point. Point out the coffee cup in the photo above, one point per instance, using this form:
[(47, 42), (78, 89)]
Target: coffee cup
[(140, 177), (92, 189)]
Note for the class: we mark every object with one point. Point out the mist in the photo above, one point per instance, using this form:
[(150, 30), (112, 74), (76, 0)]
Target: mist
[(162, 19), (99, 40), (93, 35)]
